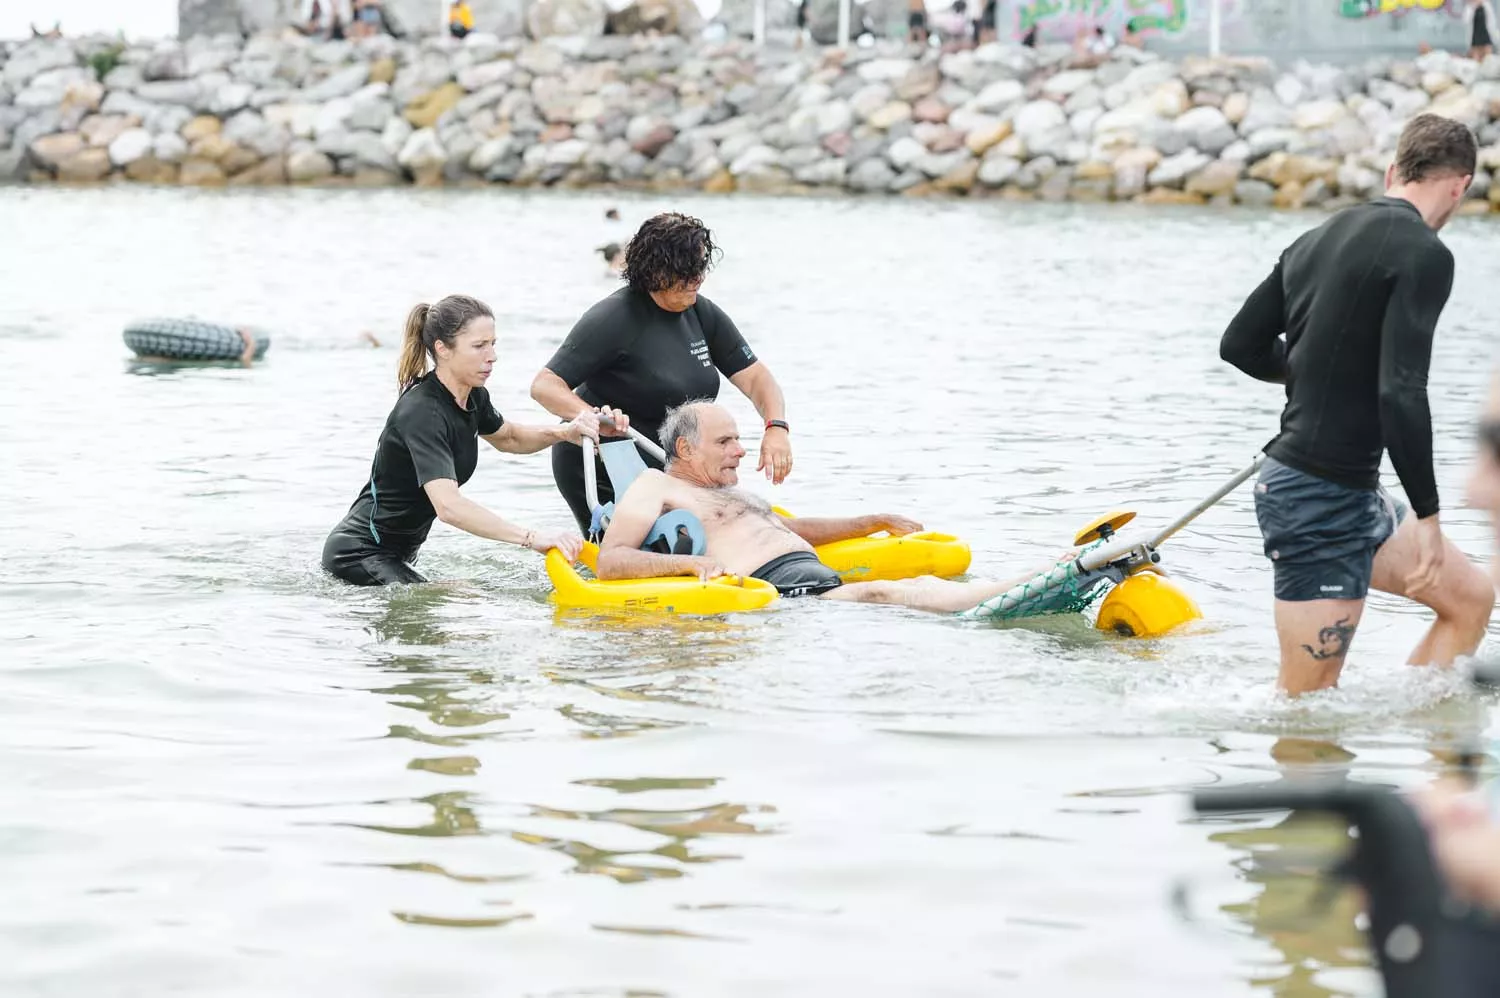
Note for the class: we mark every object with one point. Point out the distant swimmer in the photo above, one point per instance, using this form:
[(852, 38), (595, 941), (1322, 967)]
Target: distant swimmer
[(430, 448), (745, 537), (614, 258), (1358, 300)]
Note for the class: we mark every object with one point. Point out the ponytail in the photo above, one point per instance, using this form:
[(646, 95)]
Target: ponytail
[(413, 362)]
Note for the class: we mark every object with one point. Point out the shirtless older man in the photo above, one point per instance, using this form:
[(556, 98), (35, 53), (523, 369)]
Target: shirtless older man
[(744, 537)]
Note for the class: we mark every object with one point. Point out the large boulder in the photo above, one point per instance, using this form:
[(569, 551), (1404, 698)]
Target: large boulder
[(666, 17), (566, 18)]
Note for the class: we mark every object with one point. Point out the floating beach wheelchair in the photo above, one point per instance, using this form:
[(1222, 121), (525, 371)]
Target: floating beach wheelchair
[(677, 532), (1138, 599)]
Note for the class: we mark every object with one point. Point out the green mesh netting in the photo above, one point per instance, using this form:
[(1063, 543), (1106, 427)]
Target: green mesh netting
[(1063, 589)]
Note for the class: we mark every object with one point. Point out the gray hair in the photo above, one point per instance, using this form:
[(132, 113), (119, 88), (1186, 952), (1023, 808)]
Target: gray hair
[(681, 423)]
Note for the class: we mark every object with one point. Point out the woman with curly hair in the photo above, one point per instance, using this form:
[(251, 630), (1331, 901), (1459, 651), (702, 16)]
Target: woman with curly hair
[(653, 345)]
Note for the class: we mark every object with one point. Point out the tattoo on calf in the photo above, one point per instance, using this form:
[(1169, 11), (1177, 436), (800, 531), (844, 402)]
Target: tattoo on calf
[(1334, 641)]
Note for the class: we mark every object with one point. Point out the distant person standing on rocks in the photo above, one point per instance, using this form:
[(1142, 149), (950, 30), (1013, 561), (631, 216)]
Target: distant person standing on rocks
[(460, 19), (652, 345), (1345, 321), (916, 22), (1479, 22)]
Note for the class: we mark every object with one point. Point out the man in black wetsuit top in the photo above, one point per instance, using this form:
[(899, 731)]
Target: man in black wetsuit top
[(1357, 300)]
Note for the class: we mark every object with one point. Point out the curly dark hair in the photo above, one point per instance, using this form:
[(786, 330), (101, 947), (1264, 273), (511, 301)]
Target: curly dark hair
[(667, 250)]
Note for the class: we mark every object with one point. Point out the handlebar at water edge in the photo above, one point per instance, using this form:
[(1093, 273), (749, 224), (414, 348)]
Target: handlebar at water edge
[(1137, 552), (1424, 947)]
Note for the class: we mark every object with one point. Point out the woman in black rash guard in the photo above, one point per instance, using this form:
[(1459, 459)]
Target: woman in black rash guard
[(430, 446), (652, 345)]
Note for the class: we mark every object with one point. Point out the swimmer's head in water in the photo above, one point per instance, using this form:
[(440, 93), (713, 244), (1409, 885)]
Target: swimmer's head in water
[(702, 443), (668, 257), (457, 333), (1440, 155)]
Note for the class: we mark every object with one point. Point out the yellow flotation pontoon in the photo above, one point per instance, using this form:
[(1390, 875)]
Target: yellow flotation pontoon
[(856, 560), (727, 594), (882, 556)]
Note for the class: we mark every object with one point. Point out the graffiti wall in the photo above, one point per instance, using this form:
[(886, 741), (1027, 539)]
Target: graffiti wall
[(1062, 19), (1374, 8), (1335, 30)]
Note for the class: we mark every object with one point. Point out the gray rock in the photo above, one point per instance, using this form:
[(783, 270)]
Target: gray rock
[(542, 59), (1067, 83), (754, 160), (166, 64), (1358, 180), (460, 148), (184, 93), (422, 151), (1174, 170), (1085, 99), (1054, 142), (34, 127), (1056, 187), (999, 95), (371, 115), (365, 148), (906, 181), (936, 165), (32, 59), (394, 137), (995, 171), (1403, 101), (308, 165), (504, 170), (123, 78), (486, 74), (1037, 118), (340, 83), (903, 153), (12, 165), (1206, 129), (865, 147), (823, 173), (418, 78), (250, 130), (1290, 90), (170, 148), (1268, 140), (1265, 112), (1254, 192), (491, 152), (872, 174), (129, 146), (229, 98)]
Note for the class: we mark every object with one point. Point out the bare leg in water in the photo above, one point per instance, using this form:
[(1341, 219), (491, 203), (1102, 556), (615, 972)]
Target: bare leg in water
[(934, 594)]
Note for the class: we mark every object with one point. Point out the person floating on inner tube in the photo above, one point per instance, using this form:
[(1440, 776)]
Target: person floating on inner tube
[(430, 446), (743, 536), (653, 344)]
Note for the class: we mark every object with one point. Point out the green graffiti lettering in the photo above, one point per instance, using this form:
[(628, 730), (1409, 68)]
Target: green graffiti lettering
[(1150, 15)]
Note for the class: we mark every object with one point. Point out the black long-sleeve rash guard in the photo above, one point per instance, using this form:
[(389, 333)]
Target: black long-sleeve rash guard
[(1358, 299)]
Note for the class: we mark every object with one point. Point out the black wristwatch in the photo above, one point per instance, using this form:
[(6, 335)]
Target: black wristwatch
[(778, 422)]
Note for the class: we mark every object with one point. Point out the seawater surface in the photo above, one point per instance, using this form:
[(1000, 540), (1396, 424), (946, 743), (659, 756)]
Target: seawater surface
[(222, 773)]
